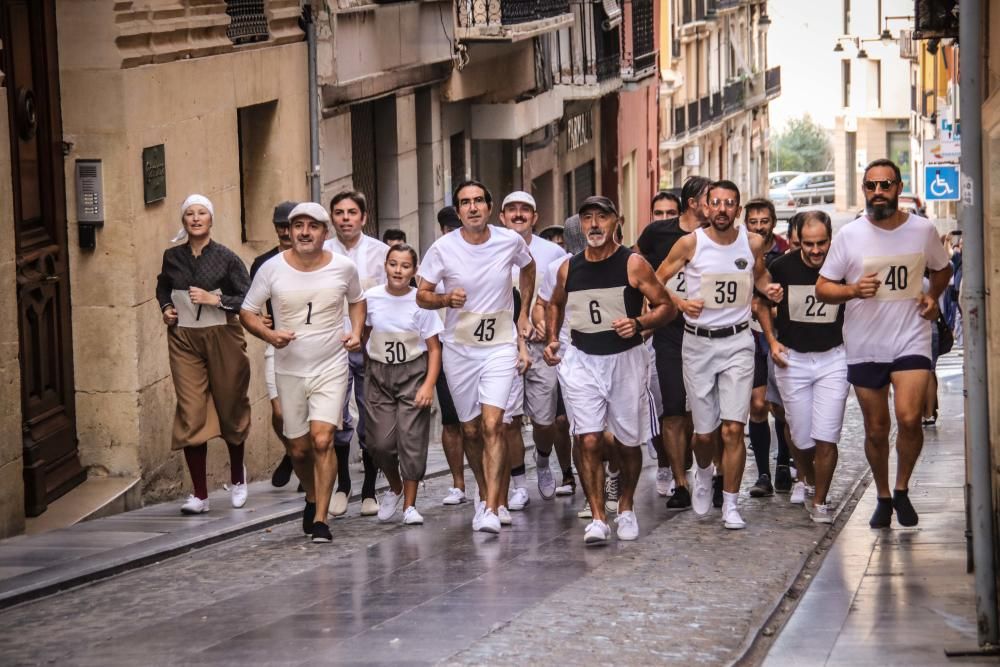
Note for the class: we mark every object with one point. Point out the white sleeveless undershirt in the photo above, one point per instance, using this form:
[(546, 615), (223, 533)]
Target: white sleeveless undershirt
[(721, 275)]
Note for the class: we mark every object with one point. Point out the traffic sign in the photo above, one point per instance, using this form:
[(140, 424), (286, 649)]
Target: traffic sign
[(938, 151), (941, 182)]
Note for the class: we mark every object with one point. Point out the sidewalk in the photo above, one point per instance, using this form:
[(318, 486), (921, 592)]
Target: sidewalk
[(900, 596)]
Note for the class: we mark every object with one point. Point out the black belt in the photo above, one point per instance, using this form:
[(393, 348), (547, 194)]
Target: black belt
[(724, 332)]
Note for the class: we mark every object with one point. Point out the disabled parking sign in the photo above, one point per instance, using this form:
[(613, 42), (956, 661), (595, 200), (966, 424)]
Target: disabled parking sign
[(941, 182)]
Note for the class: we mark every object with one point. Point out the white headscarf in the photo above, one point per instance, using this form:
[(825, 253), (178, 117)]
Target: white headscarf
[(182, 235)]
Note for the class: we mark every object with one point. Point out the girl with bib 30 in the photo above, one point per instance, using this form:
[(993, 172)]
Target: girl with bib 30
[(403, 362)]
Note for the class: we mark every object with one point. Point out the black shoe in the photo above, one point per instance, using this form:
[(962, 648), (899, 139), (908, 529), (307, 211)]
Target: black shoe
[(308, 518), (782, 479), (762, 488), (882, 516), (905, 514), (282, 473), (681, 500), (321, 532), (717, 491)]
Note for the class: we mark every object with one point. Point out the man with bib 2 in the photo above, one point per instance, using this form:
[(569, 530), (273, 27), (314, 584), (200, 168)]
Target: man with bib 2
[(887, 325), (604, 371), (722, 263), (480, 355)]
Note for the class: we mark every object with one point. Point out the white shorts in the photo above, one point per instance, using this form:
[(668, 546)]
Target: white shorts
[(475, 382), (308, 399), (608, 393), (718, 378), (541, 388), (814, 387), (515, 404), (272, 388), (654, 381)]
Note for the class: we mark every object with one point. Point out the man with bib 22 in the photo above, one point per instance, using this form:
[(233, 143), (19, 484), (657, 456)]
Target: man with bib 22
[(887, 325), (722, 263), (604, 371), (480, 355)]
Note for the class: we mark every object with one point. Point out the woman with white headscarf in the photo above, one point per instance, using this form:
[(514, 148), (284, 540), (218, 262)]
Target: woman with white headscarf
[(200, 290)]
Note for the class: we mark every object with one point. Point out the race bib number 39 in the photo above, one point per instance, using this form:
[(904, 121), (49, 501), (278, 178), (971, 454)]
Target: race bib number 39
[(484, 329), (901, 275), (804, 307), (593, 310), (394, 347), (725, 290), (193, 316)]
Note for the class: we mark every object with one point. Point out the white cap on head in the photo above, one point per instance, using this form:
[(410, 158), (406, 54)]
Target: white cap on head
[(519, 197), (182, 234), (312, 210)]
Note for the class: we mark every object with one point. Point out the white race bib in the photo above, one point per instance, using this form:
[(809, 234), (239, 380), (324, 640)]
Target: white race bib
[(678, 284), (394, 347), (484, 329), (725, 290), (593, 310), (309, 310), (901, 275), (803, 306), (193, 316)]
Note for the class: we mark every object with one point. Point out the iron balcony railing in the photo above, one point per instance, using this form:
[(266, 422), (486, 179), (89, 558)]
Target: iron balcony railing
[(772, 80), (679, 125), (643, 44), (705, 110), (733, 96), (481, 13), (609, 52), (716, 105), (692, 109)]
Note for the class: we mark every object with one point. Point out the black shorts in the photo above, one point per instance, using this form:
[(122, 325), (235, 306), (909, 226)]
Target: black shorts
[(449, 416), (670, 372), (876, 375), (759, 361)]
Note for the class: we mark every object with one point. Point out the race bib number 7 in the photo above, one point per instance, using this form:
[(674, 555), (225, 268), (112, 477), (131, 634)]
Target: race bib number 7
[(804, 307), (394, 347), (195, 316), (901, 275), (593, 310), (725, 290), (484, 329)]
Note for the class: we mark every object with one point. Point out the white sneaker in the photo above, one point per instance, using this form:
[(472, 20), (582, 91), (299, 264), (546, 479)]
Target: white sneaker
[(798, 494), (338, 504), (389, 504), (194, 505), (238, 492), (585, 513), (701, 498), (730, 515), (477, 518), (411, 517), (518, 499), (455, 497), (664, 482), (810, 490), (597, 532), (628, 526), (490, 522), (546, 482), (566, 490), (820, 513), (504, 515)]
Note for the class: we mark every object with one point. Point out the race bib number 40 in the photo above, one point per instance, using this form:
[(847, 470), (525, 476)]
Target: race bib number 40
[(725, 290), (394, 347), (484, 329), (193, 316), (804, 307), (901, 275), (593, 310)]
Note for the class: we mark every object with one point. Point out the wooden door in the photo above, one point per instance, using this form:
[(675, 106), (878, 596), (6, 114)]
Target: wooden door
[(51, 462)]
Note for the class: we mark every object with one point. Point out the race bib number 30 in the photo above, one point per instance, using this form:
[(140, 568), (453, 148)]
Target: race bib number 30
[(193, 316), (804, 307), (394, 347), (484, 329), (725, 290), (593, 310), (901, 275)]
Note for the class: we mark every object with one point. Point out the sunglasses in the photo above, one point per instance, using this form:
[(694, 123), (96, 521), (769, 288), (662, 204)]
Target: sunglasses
[(885, 184), (728, 203)]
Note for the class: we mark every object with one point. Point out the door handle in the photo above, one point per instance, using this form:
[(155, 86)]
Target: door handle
[(51, 279)]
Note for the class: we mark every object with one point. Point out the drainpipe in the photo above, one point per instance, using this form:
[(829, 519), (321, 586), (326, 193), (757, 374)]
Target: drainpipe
[(977, 432), (309, 24)]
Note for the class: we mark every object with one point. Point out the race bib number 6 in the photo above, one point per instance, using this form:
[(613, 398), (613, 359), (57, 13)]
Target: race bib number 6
[(593, 310), (901, 275), (394, 347), (804, 307), (725, 290), (484, 329)]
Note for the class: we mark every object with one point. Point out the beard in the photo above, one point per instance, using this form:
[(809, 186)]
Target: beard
[(882, 210), (596, 240)]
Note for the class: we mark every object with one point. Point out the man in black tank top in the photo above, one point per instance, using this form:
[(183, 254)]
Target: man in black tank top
[(604, 372)]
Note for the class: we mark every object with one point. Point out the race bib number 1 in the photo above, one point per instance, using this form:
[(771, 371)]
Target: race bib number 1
[(901, 275), (394, 347), (484, 329), (804, 307), (593, 310), (725, 290)]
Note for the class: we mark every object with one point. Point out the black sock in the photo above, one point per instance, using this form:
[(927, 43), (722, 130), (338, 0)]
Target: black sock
[(568, 473), (519, 470), (905, 513), (343, 469), (760, 441), (779, 429), (882, 516), (371, 472)]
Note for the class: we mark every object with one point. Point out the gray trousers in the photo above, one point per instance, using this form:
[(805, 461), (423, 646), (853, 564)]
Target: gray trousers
[(398, 431)]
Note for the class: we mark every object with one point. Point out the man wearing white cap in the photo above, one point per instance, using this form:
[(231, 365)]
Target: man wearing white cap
[(308, 287), (539, 396)]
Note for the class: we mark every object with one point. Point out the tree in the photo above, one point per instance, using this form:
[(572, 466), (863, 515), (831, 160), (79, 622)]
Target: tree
[(802, 146)]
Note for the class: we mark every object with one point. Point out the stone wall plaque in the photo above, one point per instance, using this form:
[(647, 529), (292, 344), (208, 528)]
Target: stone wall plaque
[(154, 174)]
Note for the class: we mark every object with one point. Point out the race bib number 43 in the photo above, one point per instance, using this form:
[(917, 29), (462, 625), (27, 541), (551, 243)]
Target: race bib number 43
[(725, 290), (804, 307), (394, 347), (593, 310), (484, 329), (901, 275)]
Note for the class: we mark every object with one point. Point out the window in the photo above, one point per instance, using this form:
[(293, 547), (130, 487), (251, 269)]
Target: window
[(847, 17), (845, 75), (260, 177)]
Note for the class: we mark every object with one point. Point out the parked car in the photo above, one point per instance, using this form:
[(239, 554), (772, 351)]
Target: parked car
[(777, 181), (813, 190)]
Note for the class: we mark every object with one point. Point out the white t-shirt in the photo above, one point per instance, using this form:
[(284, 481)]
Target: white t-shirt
[(887, 326), (368, 254), (483, 271), (399, 326), (550, 277), (310, 303), (544, 253)]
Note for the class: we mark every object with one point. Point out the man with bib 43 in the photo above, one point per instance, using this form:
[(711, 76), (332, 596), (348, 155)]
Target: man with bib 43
[(722, 263), (887, 325), (604, 371)]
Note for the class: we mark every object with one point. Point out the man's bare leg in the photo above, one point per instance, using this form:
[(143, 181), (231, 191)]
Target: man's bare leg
[(494, 455), (300, 451), (875, 410), (825, 463), (454, 454), (591, 469), (677, 444), (472, 439), (734, 456), (324, 467), (909, 389)]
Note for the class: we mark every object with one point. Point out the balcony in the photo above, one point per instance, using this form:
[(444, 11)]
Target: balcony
[(705, 110), (640, 62), (756, 93), (772, 82), (587, 59), (909, 48), (733, 96), (509, 20), (716, 105), (725, 5), (692, 111), (679, 126)]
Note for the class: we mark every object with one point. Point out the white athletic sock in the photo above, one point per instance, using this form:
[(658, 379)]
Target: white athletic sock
[(519, 481), (730, 498), (542, 461)]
